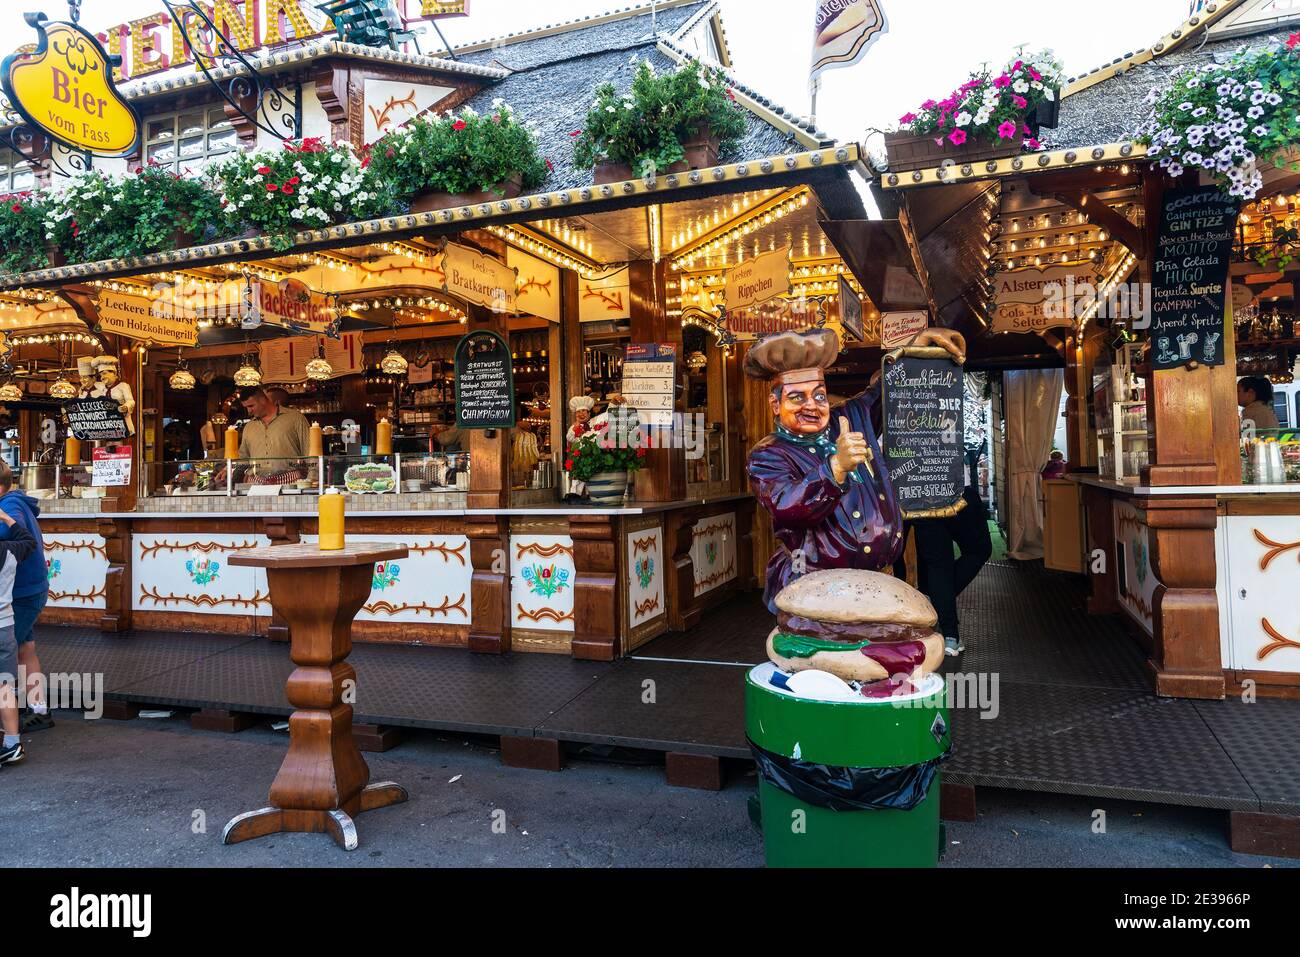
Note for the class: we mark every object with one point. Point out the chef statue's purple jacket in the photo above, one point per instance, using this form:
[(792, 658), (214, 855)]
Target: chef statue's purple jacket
[(819, 523)]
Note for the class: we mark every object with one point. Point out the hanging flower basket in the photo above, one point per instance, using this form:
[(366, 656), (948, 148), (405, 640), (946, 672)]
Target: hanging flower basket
[(988, 117), (434, 199), (702, 150), (665, 123)]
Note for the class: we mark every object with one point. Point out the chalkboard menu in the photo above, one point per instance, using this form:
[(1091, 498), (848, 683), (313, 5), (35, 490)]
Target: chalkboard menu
[(1190, 277), (923, 435), (485, 382), (95, 420)]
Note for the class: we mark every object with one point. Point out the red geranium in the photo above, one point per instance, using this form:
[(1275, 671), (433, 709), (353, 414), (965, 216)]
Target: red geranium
[(458, 125), (16, 207), (263, 170), (287, 190), (293, 181), (271, 187), (1293, 41)]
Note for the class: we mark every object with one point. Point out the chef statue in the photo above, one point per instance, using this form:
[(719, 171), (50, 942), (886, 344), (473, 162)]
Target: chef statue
[(110, 384), (580, 406), (822, 477)]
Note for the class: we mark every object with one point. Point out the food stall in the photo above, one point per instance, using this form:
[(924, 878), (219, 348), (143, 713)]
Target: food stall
[(366, 325), (1154, 286)]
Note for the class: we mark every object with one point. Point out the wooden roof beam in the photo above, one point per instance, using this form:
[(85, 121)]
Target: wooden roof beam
[(1120, 229)]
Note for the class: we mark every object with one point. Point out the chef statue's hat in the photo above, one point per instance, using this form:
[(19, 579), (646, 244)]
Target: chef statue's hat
[(787, 358), (102, 363), (579, 402)]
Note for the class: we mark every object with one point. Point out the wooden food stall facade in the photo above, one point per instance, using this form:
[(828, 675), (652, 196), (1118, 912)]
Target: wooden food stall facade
[(1155, 510), (498, 560)]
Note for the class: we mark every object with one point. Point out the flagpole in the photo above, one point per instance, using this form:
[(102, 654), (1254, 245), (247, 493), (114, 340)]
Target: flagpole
[(817, 85)]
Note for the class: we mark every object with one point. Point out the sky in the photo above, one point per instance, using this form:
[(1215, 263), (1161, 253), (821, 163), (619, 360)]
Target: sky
[(931, 46)]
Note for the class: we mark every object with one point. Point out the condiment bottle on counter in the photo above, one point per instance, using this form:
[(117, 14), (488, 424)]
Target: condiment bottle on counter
[(330, 520), (314, 446), (232, 442), (384, 437), (72, 451)]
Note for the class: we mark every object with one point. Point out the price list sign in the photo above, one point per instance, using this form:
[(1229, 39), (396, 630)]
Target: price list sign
[(649, 381), (1190, 277), (923, 431), (485, 382)]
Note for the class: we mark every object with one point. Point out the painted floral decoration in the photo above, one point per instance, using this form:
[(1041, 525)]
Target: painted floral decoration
[(546, 580), (645, 571), (202, 571), (386, 575)]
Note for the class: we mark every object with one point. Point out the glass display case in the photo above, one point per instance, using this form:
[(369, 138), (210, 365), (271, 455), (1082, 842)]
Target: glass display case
[(1120, 410), (356, 474), (1271, 457)]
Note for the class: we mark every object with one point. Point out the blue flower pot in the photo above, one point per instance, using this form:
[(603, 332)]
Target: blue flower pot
[(607, 488)]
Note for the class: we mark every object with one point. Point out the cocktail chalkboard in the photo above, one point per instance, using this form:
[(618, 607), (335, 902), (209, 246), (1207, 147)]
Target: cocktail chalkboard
[(485, 382), (923, 431), (1190, 277), (95, 420)]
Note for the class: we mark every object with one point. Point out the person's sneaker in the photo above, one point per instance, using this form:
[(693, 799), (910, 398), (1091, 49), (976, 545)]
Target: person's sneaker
[(35, 721), (952, 647), (12, 753)]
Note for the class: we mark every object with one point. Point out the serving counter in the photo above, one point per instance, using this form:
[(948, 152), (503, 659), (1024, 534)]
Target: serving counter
[(1208, 575), (595, 582)]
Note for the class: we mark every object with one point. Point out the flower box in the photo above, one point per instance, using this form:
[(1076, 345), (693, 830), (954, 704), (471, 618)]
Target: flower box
[(909, 151), (434, 200), (702, 151)]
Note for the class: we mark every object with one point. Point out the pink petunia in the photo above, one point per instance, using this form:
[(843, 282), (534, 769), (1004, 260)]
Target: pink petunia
[(1032, 143), (1002, 81), (1019, 101), (957, 137), (929, 105), (907, 118), (1035, 74), (1007, 130)]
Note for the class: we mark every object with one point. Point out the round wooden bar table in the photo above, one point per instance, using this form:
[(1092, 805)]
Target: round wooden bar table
[(323, 783)]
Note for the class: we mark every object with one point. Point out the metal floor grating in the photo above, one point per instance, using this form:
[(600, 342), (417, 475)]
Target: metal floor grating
[(1076, 711)]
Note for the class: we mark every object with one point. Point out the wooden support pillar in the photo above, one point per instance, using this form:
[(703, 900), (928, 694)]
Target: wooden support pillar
[(117, 578), (281, 531), (679, 533), (1188, 662), (595, 587), (489, 554), (489, 465), (664, 477), (1099, 514)]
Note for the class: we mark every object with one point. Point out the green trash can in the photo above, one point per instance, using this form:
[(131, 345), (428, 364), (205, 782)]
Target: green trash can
[(836, 817)]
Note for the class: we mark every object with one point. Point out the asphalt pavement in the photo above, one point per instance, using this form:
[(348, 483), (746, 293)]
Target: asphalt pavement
[(153, 792)]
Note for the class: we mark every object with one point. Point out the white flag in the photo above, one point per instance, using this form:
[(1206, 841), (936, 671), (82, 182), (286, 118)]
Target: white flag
[(844, 31)]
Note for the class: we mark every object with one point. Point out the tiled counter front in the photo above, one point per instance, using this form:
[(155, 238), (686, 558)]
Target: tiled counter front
[(177, 575), (542, 575), (646, 577), (76, 563), (423, 598), (1259, 588), (1135, 581), (713, 551)]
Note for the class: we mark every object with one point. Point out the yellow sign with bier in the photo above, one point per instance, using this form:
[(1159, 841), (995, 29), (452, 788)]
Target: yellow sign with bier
[(66, 89)]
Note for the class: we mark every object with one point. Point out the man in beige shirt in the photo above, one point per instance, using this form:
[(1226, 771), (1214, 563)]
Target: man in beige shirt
[(272, 432)]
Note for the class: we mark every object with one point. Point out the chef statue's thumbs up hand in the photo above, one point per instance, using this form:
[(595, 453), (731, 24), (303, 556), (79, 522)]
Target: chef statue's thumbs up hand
[(850, 451)]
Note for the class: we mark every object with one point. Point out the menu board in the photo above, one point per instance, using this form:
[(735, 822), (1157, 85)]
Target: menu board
[(923, 431), (1190, 276), (851, 311), (650, 380), (485, 382), (95, 420)]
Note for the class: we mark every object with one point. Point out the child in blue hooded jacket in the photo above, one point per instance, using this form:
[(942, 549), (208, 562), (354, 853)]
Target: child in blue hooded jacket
[(31, 589)]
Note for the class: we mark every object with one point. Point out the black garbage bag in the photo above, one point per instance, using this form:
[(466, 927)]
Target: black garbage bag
[(848, 789)]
